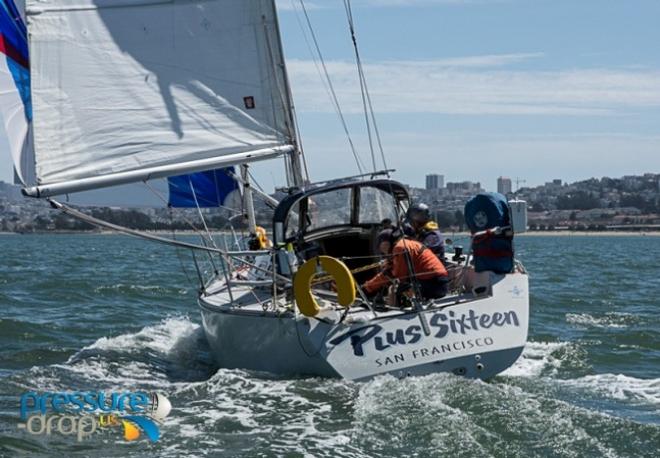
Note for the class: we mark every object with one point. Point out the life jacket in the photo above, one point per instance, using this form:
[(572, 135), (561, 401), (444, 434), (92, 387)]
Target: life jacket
[(431, 237), (425, 264)]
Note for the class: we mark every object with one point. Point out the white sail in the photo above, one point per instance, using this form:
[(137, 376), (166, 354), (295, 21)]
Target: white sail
[(125, 90)]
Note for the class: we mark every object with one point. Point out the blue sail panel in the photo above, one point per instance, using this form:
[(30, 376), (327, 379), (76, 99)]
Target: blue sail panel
[(206, 189), (16, 107)]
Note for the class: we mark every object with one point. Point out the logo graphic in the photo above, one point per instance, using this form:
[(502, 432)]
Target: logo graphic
[(133, 424), (85, 413), (516, 291), (441, 323)]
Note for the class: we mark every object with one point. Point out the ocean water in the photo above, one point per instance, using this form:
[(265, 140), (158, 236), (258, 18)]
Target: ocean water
[(100, 312)]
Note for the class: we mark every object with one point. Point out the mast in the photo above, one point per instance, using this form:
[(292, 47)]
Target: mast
[(249, 202), (296, 156)]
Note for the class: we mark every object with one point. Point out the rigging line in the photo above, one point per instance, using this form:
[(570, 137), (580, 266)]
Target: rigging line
[(200, 233), (199, 211), (216, 186), (176, 249), (322, 78), (289, 96), (156, 238), (311, 53), (286, 101), (363, 83), (300, 143), (185, 219), (271, 58), (411, 270), (373, 121), (363, 90), (253, 180), (268, 200), (331, 87), (349, 17), (371, 256), (199, 272), (170, 212), (327, 278)]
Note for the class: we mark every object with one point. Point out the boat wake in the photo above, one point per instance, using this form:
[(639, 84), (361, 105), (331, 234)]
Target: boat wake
[(622, 387), (607, 320), (534, 406)]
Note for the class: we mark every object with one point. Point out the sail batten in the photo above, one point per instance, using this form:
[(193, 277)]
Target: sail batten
[(126, 89)]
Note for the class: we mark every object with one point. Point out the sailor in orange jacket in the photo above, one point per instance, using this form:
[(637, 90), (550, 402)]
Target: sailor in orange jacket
[(428, 270)]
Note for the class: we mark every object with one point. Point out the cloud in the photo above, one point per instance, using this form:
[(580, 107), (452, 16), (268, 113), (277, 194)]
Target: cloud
[(476, 86), (488, 60)]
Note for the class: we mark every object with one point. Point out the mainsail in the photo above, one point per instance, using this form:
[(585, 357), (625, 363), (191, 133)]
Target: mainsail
[(130, 90)]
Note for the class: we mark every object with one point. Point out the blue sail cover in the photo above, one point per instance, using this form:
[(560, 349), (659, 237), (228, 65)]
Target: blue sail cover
[(208, 189), (491, 252)]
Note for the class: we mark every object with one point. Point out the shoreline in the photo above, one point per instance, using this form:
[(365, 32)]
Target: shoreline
[(590, 233)]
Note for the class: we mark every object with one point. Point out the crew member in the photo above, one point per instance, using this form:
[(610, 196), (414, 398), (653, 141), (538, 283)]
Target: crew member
[(259, 240), (428, 271), (386, 224), (426, 230)]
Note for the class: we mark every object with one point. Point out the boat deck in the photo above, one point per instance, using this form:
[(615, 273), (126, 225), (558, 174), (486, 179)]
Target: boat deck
[(260, 300)]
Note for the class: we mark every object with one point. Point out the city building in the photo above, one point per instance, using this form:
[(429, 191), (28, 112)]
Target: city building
[(435, 181), (10, 192), (464, 187), (504, 185)]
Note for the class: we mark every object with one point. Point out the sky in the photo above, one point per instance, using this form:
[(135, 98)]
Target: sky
[(475, 89)]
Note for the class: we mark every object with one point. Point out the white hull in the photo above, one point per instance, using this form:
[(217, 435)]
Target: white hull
[(477, 337)]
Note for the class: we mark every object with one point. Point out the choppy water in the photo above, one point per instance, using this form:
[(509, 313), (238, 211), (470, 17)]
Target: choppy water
[(109, 312)]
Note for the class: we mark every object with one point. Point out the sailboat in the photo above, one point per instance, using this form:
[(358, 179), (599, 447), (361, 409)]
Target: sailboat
[(100, 93)]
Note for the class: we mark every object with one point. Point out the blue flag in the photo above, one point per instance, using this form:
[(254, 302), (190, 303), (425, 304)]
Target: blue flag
[(206, 189)]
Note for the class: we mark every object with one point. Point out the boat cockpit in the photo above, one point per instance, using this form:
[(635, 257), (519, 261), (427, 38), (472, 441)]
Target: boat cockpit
[(340, 220)]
